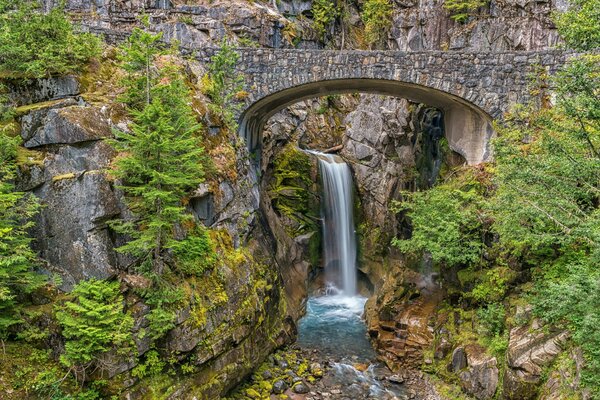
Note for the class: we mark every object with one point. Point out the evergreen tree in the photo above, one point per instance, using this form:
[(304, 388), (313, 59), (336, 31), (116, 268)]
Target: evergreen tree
[(17, 260), (94, 323), (162, 160)]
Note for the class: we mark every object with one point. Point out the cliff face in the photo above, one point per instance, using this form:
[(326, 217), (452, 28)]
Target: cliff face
[(391, 145)]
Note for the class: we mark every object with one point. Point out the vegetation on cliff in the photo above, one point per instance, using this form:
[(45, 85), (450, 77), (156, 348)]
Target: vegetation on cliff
[(35, 44), (539, 215), (17, 259)]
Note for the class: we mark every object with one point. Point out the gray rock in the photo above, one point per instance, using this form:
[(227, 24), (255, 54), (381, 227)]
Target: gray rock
[(300, 388), (65, 126), (279, 386), (459, 359), (530, 350), (480, 379), (40, 90)]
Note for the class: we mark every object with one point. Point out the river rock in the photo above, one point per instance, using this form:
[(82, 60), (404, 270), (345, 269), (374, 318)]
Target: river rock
[(480, 379), (279, 386), (301, 388)]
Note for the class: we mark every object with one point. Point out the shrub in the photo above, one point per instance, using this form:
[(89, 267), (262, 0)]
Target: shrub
[(34, 44), (491, 319), (93, 323), (461, 10), (377, 17), (324, 13)]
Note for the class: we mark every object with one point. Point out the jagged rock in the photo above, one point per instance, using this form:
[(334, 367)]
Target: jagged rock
[(481, 377), (40, 90), (64, 126), (71, 232), (530, 349), (459, 359)]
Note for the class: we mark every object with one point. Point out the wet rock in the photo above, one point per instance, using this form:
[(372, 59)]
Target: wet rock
[(301, 388), (396, 378), (267, 375), (279, 386)]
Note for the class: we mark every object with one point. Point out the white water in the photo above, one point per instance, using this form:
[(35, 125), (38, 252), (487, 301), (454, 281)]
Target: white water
[(339, 239)]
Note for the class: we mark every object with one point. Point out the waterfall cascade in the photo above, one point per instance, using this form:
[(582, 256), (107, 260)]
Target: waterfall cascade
[(333, 324), (339, 238)]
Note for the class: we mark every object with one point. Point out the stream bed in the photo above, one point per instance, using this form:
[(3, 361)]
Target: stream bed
[(333, 333)]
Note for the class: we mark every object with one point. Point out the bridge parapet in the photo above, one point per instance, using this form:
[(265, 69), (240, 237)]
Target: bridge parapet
[(471, 88)]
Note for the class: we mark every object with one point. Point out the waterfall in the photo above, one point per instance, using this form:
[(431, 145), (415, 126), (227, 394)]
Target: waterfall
[(339, 239)]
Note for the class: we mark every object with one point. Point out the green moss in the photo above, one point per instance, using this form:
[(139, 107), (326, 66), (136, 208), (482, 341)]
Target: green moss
[(27, 157), (292, 189)]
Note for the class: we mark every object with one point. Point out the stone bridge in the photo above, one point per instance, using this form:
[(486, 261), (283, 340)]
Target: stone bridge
[(472, 89)]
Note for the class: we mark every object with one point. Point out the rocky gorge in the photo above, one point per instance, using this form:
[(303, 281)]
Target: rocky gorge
[(265, 220)]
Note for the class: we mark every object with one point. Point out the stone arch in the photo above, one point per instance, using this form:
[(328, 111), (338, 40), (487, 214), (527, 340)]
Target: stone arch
[(468, 128)]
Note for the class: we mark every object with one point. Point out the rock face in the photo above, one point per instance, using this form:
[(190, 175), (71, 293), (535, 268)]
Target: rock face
[(503, 25), (530, 349), (480, 379)]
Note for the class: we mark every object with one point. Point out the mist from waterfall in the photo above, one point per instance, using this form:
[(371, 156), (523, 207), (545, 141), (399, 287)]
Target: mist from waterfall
[(337, 208)]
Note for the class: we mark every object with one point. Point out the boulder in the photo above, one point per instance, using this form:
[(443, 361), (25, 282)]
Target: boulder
[(459, 359), (67, 125), (480, 379)]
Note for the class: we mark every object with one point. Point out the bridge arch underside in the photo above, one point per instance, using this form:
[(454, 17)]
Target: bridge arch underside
[(468, 128)]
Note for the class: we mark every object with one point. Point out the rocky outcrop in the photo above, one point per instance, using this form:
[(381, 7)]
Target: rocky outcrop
[(503, 25), (480, 379), (66, 172), (530, 350)]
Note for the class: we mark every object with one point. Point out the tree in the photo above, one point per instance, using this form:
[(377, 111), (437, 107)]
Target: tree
[(137, 56), (579, 24), (17, 260), (94, 323), (161, 160), (224, 86), (35, 44), (377, 17)]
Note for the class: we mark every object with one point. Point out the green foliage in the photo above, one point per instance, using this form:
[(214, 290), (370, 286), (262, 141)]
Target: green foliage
[(547, 164), (94, 323), (492, 285), (163, 298), (572, 295), (377, 17), (195, 254), (17, 260), (491, 318), (162, 159), (224, 86), (34, 44), (447, 222), (461, 10), (137, 57), (324, 13), (152, 365), (580, 24)]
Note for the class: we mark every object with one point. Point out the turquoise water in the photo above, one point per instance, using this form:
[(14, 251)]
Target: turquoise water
[(334, 326)]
